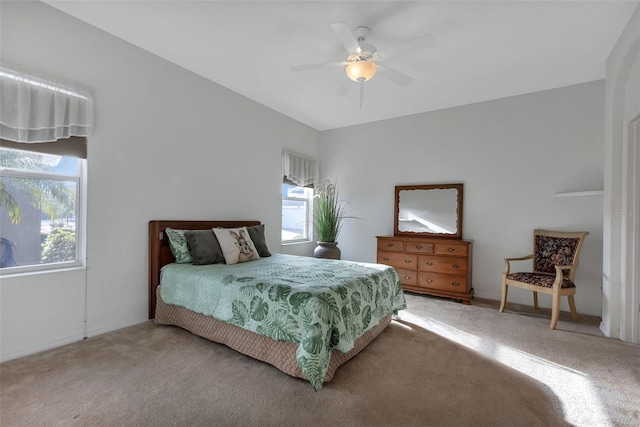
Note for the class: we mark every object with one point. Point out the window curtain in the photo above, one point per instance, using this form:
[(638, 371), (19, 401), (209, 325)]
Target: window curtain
[(33, 110), (74, 146), (300, 170)]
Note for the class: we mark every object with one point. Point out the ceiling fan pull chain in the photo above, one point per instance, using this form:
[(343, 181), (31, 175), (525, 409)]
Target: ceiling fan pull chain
[(361, 92)]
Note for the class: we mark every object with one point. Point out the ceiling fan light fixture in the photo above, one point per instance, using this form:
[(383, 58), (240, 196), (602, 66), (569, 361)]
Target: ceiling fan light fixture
[(362, 70)]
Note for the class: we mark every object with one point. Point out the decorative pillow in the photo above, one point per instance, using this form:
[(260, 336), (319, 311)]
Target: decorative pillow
[(178, 245), (205, 248), (256, 232), (236, 245)]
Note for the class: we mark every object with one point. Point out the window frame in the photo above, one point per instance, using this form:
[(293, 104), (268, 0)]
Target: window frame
[(308, 224), (80, 216)]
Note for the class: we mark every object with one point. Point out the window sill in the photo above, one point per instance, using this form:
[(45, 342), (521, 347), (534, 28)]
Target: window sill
[(10, 274), (300, 242)]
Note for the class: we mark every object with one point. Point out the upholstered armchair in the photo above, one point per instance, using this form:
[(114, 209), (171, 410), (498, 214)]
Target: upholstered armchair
[(555, 261)]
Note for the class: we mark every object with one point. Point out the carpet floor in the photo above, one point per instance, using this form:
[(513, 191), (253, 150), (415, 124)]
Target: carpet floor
[(440, 363)]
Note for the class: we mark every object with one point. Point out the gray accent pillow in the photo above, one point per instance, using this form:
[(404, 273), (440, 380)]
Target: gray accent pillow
[(256, 232), (205, 248), (178, 245)]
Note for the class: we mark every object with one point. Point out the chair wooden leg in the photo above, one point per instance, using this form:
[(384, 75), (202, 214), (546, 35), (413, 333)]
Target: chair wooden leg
[(505, 290), (572, 306), (555, 309), (535, 300)]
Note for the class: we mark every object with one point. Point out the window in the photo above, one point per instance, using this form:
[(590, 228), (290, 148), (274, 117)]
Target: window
[(40, 211), (296, 213)]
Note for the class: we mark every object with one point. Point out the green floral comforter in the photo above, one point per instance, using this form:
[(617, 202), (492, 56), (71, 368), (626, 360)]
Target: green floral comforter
[(319, 304)]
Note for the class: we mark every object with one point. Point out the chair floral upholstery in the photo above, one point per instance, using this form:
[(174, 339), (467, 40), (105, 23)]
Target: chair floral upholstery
[(545, 280), (555, 261), (551, 251)]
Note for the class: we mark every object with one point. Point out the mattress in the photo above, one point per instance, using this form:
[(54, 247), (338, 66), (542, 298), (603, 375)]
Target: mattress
[(318, 305)]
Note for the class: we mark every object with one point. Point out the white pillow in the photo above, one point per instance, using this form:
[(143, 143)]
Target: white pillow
[(236, 245)]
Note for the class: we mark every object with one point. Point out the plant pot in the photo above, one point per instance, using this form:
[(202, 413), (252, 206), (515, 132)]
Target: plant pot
[(328, 250)]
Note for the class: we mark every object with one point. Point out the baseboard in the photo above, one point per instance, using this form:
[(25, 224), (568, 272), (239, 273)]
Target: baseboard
[(114, 327), (49, 345), (605, 328), (490, 295)]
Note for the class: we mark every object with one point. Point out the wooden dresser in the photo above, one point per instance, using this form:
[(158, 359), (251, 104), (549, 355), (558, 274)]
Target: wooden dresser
[(429, 265)]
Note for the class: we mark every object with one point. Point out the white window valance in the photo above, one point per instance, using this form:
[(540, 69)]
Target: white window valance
[(35, 110), (300, 170)]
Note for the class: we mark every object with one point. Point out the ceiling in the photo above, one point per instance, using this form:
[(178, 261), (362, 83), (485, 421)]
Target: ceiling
[(483, 50)]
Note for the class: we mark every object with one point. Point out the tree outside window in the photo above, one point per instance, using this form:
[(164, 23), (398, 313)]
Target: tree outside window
[(39, 209)]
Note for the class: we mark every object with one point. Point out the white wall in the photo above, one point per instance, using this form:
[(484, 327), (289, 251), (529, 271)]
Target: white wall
[(168, 144), (620, 300), (512, 155)]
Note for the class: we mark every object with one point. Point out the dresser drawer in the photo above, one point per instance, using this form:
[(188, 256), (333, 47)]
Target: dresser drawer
[(452, 248), (430, 265), (398, 260), (418, 247), (443, 282), (408, 277), (390, 245), (443, 264)]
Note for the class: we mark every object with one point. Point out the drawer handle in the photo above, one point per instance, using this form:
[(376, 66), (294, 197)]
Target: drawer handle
[(454, 284), (390, 245), (418, 246), (429, 280), (451, 249), (455, 266), (385, 259), (407, 261), (407, 277), (429, 263)]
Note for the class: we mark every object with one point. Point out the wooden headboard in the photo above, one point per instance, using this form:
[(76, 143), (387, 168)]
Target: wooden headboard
[(160, 254)]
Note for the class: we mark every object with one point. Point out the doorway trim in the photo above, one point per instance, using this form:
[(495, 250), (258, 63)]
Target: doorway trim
[(630, 215)]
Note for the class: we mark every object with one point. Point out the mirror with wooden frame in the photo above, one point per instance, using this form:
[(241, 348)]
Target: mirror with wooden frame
[(429, 210)]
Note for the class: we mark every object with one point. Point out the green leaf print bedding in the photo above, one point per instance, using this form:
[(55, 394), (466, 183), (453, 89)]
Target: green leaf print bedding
[(318, 303)]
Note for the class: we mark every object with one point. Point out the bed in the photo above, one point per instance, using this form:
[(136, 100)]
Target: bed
[(303, 315)]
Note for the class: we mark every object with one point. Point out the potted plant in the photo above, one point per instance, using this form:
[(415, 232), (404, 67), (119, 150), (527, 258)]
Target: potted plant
[(328, 213)]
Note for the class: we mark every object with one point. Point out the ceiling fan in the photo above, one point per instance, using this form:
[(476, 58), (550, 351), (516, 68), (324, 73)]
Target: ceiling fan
[(364, 60)]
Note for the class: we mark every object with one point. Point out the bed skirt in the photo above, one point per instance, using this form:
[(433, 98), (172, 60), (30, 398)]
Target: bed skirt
[(280, 354)]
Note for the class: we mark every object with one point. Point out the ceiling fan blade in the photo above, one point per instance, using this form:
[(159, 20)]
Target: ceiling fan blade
[(346, 37), (394, 75), (344, 88), (318, 66), (406, 48)]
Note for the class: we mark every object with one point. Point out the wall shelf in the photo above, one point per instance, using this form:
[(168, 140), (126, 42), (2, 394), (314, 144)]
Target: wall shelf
[(580, 193)]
